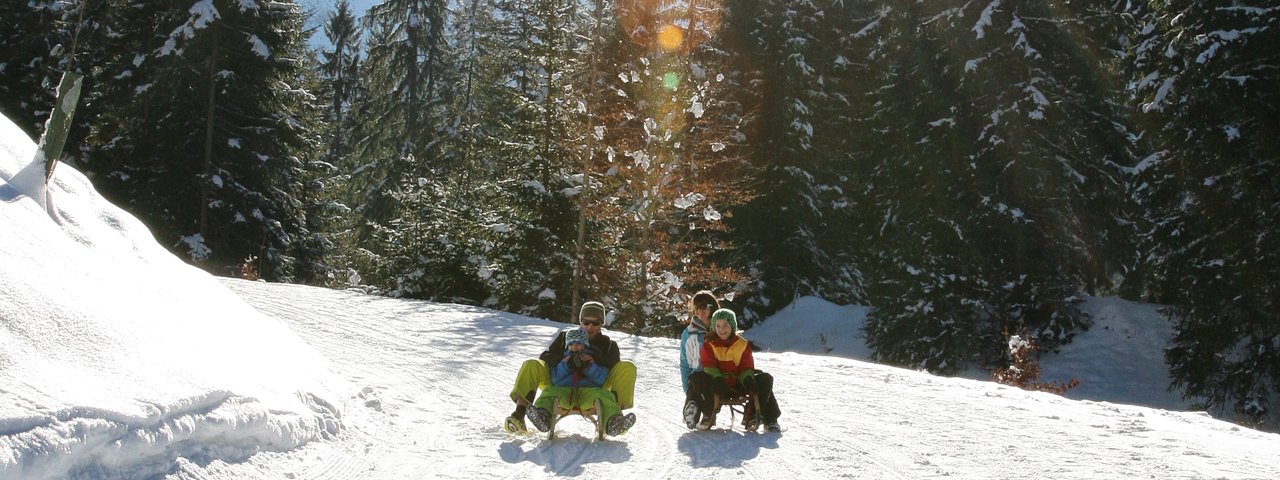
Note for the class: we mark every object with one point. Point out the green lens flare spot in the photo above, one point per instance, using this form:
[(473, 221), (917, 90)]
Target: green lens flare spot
[(670, 81)]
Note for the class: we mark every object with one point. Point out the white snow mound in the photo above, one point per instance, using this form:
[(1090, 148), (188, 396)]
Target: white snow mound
[(118, 359)]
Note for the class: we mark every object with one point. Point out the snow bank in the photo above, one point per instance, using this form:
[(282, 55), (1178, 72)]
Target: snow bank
[(815, 326), (117, 359), (1120, 359)]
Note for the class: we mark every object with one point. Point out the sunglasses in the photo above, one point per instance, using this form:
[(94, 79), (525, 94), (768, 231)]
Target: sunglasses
[(592, 321)]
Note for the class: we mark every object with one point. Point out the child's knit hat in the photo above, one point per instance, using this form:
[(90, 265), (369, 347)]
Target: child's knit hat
[(576, 335), (726, 315)]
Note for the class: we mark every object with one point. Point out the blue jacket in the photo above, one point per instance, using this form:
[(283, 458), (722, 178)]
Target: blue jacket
[(690, 353), (592, 376)]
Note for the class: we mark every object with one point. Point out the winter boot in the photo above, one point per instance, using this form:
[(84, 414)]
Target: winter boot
[(540, 418), (772, 426), (750, 419), (515, 425), (691, 414), (619, 424), (707, 422)]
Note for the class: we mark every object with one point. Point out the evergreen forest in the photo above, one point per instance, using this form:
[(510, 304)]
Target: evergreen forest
[(970, 169)]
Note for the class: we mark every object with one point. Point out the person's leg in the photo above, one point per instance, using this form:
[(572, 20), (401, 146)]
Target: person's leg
[(543, 408), (701, 393), (769, 410), (691, 412), (608, 406), (531, 377), (544, 400), (616, 422), (622, 382)]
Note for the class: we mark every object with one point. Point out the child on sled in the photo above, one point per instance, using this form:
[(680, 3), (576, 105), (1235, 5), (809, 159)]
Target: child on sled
[(577, 381), (728, 371)]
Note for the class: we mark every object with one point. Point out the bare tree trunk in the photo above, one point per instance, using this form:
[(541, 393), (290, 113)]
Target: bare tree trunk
[(579, 260), (210, 109)]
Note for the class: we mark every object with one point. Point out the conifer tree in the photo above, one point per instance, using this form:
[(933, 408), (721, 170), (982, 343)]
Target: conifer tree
[(199, 125), (340, 71), (992, 203), (397, 141), (329, 221), (798, 227), (1205, 80), (532, 171), (397, 135)]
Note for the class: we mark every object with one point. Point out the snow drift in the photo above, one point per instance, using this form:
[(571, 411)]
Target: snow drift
[(105, 369)]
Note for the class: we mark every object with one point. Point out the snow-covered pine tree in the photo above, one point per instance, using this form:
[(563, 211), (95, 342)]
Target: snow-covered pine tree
[(397, 136), (325, 254), (992, 199), (397, 141), (201, 124), (1206, 80), (798, 230), (512, 138), (340, 72)]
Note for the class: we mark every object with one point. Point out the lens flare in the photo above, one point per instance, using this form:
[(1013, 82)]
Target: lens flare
[(670, 38), (670, 81)]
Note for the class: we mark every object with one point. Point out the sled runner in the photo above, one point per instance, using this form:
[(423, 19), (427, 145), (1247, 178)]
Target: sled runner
[(745, 405), (590, 414)]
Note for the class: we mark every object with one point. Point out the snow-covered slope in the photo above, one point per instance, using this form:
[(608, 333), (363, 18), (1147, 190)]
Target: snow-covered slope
[(431, 381), (115, 357), (815, 326)]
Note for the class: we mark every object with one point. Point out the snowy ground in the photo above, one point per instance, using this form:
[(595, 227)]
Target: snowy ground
[(118, 361)]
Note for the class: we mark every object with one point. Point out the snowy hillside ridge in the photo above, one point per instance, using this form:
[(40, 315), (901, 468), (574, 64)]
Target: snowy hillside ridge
[(117, 357)]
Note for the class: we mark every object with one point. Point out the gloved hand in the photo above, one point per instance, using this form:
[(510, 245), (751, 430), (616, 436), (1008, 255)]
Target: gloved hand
[(749, 383)]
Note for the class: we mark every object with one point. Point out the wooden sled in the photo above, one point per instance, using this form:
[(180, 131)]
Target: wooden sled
[(738, 406), (590, 414)]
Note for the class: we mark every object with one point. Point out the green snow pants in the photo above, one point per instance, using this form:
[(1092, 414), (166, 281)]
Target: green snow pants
[(621, 380), (581, 398)]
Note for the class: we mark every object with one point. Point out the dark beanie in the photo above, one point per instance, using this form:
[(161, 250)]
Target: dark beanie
[(591, 309)]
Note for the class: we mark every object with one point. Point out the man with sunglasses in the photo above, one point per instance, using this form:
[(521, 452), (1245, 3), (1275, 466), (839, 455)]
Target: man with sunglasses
[(533, 375)]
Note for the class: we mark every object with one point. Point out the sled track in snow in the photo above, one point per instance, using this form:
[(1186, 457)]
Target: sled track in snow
[(426, 391)]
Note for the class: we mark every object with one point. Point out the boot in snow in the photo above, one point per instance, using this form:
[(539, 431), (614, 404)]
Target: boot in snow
[(515, 425), (707, 422), (619, 424), (691, 414), (540, 418)]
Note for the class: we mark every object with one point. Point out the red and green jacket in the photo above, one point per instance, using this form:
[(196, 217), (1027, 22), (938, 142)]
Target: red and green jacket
[(727, 360)]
